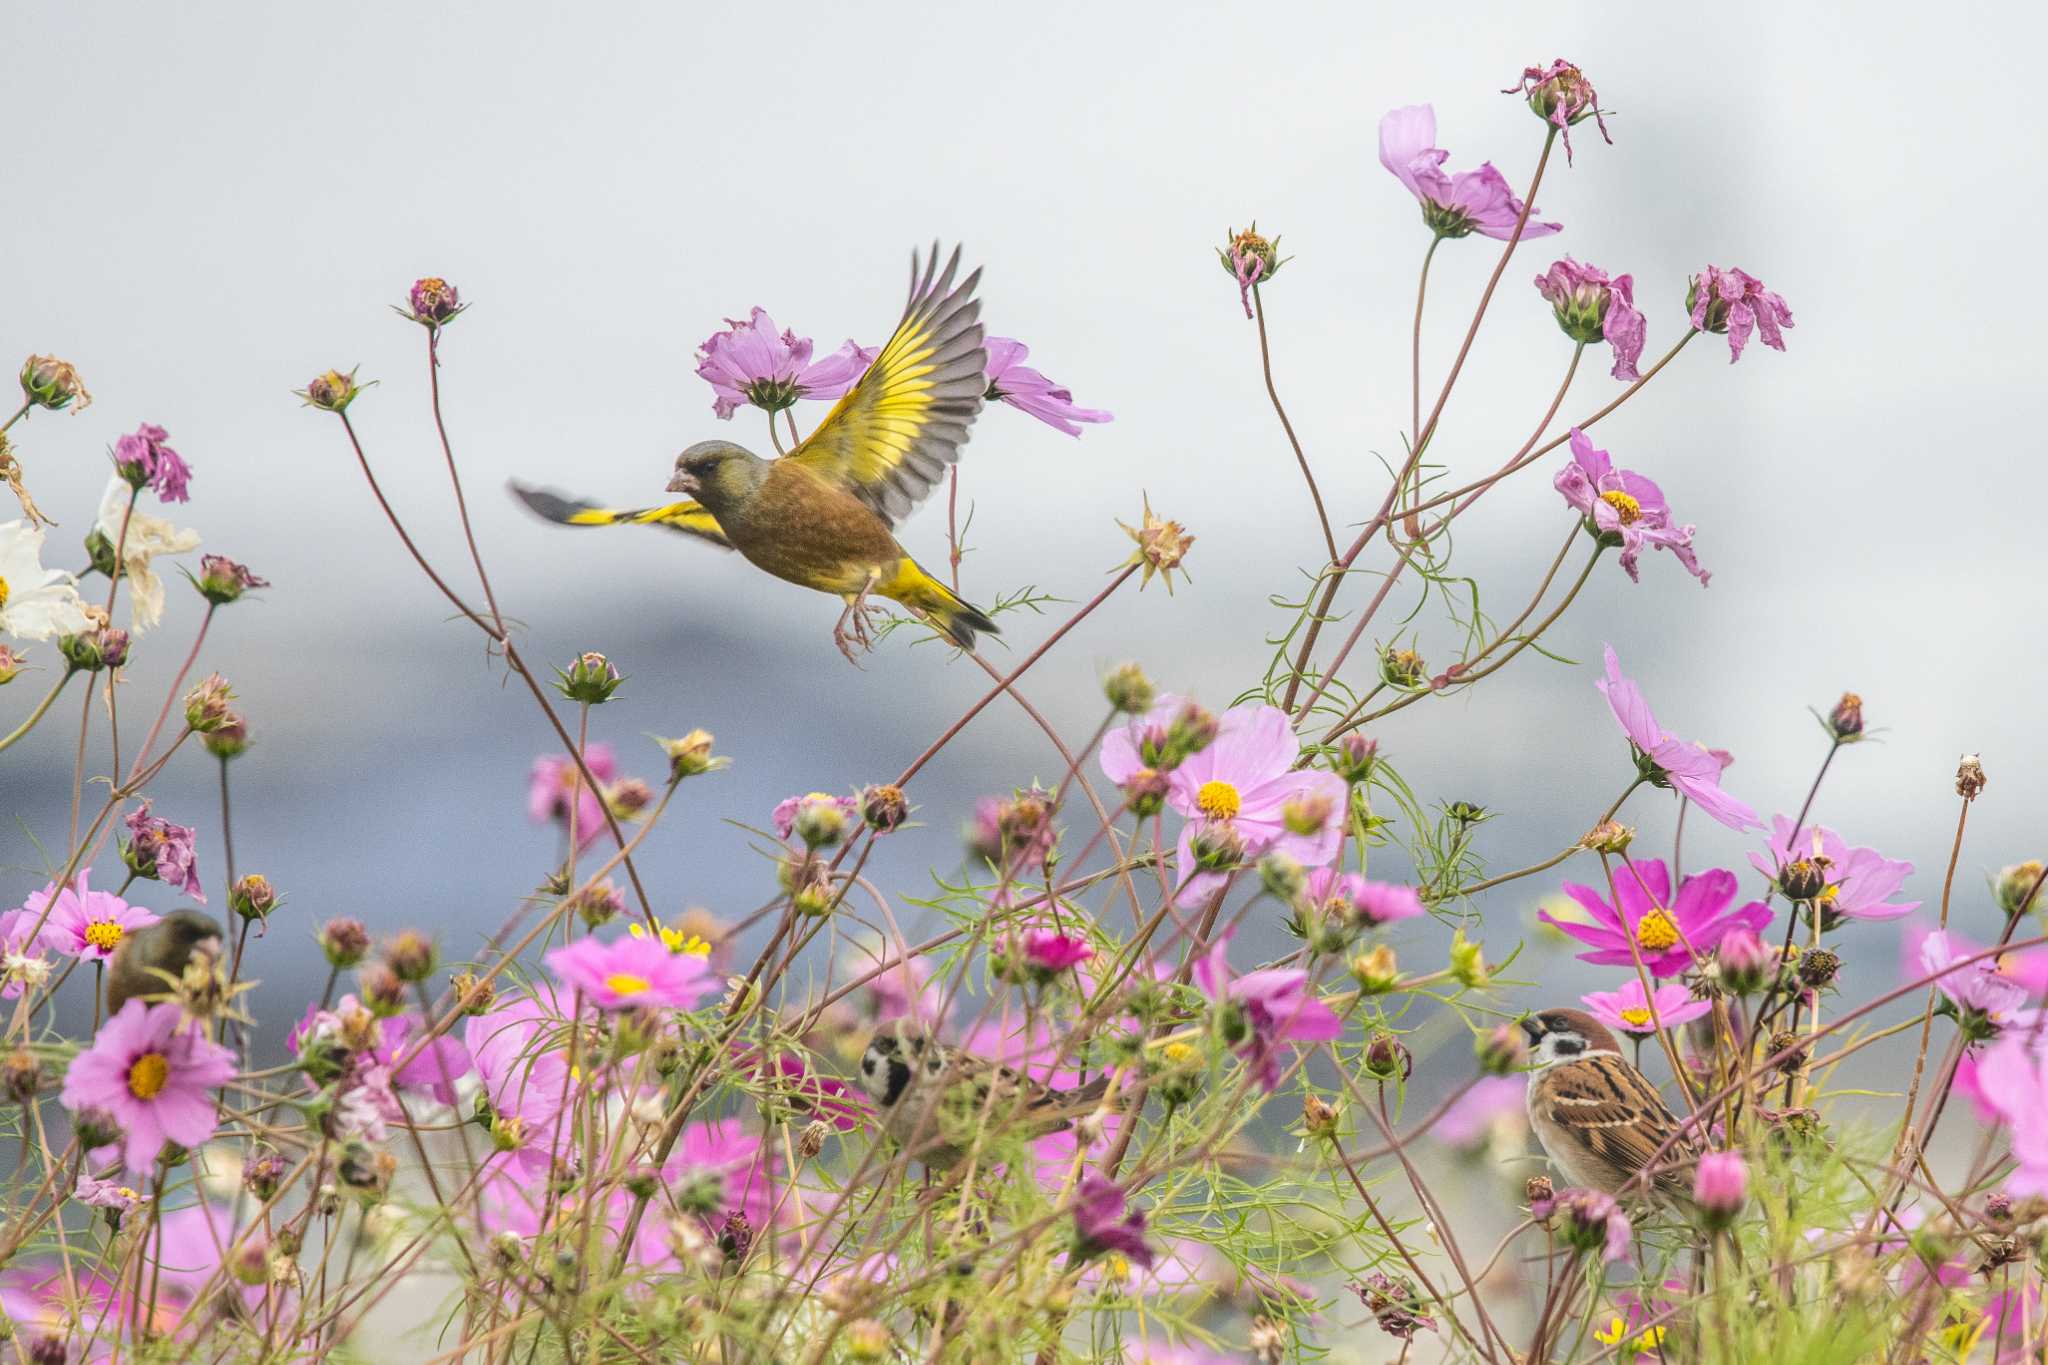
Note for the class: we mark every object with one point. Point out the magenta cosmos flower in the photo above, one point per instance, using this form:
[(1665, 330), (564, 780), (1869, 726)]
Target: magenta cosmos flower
[(1623, 508), (1858, 881), (632, 973), (553, 780), (1638, 1015), (86, 923), (1453, 205), (2013, 1081), (1590, 306), (1261, 1011), (1737, 303), (1690, 768), (1241, 794), (1352, 899), (157, 848), (1720, 1185), (143, 459), (1104, 1227), (152, 1074), (1011, 381), (750, 362), (1665, 931), (1049, 952)]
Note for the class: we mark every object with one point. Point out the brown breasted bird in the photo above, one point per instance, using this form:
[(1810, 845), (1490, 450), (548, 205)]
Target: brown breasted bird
[(823, 516), (165, 946), (1599, 1119)]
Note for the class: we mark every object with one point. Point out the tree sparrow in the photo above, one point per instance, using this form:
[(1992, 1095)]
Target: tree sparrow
[(938, 1100), (1598, 1118)]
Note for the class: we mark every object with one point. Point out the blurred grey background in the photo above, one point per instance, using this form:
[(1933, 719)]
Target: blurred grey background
[(209, 206)]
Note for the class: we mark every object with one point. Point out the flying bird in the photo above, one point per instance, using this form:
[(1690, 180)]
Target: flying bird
[(936, 1100), (824, 515), (1599, 1119)]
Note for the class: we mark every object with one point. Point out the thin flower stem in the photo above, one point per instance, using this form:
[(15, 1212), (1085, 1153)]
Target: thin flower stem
[(171, 696), (78, 764), (454, 478), (953, 553), (19, 413), (1415, 345), (1300, 456), (37, 714)]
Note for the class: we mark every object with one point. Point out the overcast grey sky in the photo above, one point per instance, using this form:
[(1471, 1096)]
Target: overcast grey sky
[(211, 205)]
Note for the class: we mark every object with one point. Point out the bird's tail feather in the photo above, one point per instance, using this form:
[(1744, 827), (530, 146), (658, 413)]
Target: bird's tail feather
[(961, 621), (688, 517)]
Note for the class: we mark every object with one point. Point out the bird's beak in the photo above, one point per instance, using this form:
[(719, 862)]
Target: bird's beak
[(683, 482), (1533, 1027)]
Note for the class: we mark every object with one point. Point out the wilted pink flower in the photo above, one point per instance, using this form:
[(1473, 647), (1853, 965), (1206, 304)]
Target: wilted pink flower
[(555, 777), (1625, 508), (1049, 952), (1592, 1221), (1356, 901), (1452, 205), (1264, 1010), (152, 1072), (1720, 1186), (1665, 932), (1011, 381), (1103, 1226), (750, 362), (1592, 307), (106, 1194), (1633, 1013), (85, 923), (1561, 96), (142, 458), (157, 848), (434, 301), (1394, 1304), (815, 815), (1856, 881), (1692, 769), (1737, 303), (222, 580), (632, 973), (1238, 791)]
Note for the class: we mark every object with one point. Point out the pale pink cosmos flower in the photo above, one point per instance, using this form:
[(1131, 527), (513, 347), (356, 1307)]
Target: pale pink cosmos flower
[(1988, 1002), (1264, 1010), (750, 362), (151, 1071), (1452, 205), (1624, 508), (1357, 901), (1689, 768), (519, 1060), (85, 923), (2013, 1079), (1592, 306), (1592, 1221), (554, 778), (1011, 381), (1630, 1011), (1737, 303), (1858, 881), (632, 973)]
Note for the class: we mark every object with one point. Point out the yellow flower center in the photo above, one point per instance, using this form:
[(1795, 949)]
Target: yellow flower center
[(1218, 800), (1637, 1017), (103, 934), (625, 983), (1178, 1054), (1116, 1269), (1625, 507), (148, 1075), (3, 594), (1657, 931), (1827, 895), (128, 1194), (676, 941)]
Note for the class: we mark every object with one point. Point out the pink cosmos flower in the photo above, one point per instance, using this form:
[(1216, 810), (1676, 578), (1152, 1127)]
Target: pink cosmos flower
[(86, 923), (1858, 880), (827, 1097), (18, 935), (1625, 508), (107, 1194), (1986, 1000), (366, 1106), (632, 973), (1356, 901), (1637, 1015), (1264, 1010), (790, 807), (1591, 1221), (1049, 951), (1011, 381), (1491, 1104), (518, 1060), (1720, 1184), (1591, 306), (1242, 789), (1691, 768), (2013, 1075), (153, 1076), (1737, 303), (1452, 205), (1665, 931), (157, 848), (433, 1072), (142, 458), (1104, 1227), (553, 780), (750, 362)]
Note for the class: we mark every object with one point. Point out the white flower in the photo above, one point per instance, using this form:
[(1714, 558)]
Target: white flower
[(148, 536), (35, 602)]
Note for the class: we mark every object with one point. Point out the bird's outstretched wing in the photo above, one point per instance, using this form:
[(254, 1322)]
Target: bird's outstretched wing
[(893, 434), (688, 517)]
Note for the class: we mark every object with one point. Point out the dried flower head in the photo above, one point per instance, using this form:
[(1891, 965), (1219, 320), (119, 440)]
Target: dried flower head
[(1251, 259), (332, 391), (1969, 777), (432, 301), (47, 382)]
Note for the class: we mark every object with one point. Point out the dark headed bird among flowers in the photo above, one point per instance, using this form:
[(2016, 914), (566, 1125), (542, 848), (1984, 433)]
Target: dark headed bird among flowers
[(823, 516)]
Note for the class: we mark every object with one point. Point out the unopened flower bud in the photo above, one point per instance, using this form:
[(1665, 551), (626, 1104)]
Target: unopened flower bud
[(691, 755), (1818, 967), (1217, 847), (1128, 689), (10, 665), (1192, 730), (1720, 1187), (1744, 961), (883, 807), (1178, 1077), (1376, 970), (1998, 1208), (1845, 722), (811, 1140), (1145, 790), (432, 301), (381, 989), (252, 896), (735, 1236), (2019, 887), (332, 391), (1792, 1045), (1403, 668), (1307, 814), (1501, 1051), (263, 1171), (1802, 879), (206, 706), (411, 955), (597, 904), (1537, 1190), (591, 679), (1317, 1117), (21, 1076), (222, 580), (1969, 777), (627, 797), (1282, 876), (95, 1128), (1609, 836), (229, 739), (1468, 962), (344, 941), (1353, 758), (249, 1259), (1387, 1058), (820, 821), (47, 382), (867, 1339)]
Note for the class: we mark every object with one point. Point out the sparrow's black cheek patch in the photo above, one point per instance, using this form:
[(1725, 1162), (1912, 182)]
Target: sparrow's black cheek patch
[(1568, 1047), (899, 1077)]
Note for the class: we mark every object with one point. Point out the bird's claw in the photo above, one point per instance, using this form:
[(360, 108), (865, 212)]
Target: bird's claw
[(852, 628)]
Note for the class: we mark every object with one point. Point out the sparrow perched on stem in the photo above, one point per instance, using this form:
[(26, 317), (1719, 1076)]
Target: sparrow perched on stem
[(164, 947), (937, 1101), (1598, 1118), (823, 516)]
